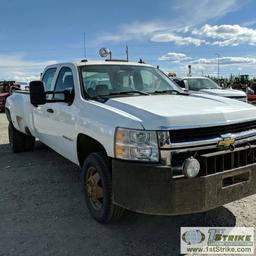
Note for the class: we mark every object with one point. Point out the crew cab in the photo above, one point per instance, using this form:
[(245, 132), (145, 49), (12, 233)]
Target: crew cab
[(143, 144), (207, 85)]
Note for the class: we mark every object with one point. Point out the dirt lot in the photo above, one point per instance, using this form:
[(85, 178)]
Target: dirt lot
[(42, 212)]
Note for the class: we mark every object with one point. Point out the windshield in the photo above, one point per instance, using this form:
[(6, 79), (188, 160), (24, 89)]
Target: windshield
[(197, 84), (107, 80)]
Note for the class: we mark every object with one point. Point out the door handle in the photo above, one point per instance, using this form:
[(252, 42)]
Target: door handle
[(50, 110)]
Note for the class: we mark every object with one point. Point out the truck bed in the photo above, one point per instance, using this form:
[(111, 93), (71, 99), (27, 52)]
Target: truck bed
[(21, 111)]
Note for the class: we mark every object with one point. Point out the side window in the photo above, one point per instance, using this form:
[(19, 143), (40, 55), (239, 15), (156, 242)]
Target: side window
[(48, 77), (180, 83), (64, 82)]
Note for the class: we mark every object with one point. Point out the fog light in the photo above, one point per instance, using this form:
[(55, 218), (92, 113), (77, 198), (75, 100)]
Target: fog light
[(191, 167)]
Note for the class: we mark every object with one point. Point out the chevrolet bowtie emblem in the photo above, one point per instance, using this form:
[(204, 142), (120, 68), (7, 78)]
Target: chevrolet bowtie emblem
[(226, 143)]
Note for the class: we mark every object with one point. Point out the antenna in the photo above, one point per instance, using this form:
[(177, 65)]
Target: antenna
[(127, 53), (84, 47)]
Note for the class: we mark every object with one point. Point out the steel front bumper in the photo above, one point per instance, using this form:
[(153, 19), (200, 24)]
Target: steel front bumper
[(150, 189)]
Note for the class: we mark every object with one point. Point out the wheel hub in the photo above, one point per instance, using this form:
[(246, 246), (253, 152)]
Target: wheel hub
[(94, 188)]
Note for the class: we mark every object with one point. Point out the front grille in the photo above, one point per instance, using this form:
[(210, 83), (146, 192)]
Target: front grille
[(227, 160), (214, 161), (209, 132)]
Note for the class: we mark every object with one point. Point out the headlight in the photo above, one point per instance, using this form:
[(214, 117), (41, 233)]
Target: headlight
[(136, 145)]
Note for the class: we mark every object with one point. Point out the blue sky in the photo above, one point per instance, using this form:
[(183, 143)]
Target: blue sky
[(171, 34)]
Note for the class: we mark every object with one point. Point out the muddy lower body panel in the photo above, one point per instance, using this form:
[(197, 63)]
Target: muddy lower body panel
[(151, 189)]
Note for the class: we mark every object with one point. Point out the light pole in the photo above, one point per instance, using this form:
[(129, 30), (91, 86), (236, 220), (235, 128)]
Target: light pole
[(218, 55)]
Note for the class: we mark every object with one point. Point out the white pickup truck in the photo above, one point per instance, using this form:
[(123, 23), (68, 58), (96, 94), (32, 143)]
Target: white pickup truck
[(142, 143), (208, 86)]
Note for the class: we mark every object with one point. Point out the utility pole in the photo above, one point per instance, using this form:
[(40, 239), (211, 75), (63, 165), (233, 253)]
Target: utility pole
[(127, 53), (218, 57), (189, 70), (84, 47)]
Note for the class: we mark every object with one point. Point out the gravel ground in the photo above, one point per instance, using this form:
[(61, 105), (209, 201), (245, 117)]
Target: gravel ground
[(42, 212)]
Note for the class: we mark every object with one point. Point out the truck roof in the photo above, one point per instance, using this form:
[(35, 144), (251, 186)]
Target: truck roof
[(191, 77), (109, 62), (104, 62)]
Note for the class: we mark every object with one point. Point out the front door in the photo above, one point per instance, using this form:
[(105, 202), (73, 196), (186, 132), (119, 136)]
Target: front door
[(62, 116), (55, 122)]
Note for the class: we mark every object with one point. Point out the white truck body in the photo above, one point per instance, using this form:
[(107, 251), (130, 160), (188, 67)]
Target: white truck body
[(59, 124)]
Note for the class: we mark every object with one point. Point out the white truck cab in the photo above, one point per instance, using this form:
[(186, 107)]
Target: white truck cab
[(142, 143)]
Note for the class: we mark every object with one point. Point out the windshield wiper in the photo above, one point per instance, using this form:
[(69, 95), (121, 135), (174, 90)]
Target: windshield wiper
[(170, 91), (126, 92)]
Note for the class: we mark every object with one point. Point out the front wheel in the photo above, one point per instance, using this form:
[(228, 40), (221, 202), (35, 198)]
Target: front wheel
[(97, 184)]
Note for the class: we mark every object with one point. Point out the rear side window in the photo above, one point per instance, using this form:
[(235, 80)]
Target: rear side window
[(48, 77)]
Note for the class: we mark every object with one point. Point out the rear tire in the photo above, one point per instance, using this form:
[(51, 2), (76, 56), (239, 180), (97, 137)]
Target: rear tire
[(19, 141), (97, 184)]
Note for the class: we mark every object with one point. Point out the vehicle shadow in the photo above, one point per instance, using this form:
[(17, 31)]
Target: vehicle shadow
[(161, 235), (43, 213)]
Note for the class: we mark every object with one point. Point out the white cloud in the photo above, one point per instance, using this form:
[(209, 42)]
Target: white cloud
[(228, 65), (15, 67), (134, 30), (226, 61), (249, 23), (146, 28), (208, 66), (203, 63), (187, 14), (229, 34), (174, 57), (200, 11), (179, 40)]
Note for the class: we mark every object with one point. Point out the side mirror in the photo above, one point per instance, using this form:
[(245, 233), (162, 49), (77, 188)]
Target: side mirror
[(68, 96), (37, 93), (184, 89)]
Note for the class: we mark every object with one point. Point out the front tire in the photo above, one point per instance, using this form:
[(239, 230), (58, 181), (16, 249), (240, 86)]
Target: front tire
[(19, 141), (97, 184)]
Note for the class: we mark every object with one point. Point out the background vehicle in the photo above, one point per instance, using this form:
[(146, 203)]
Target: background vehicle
[(142, 143), (206, 85), (6, 88), (23, 85), (249, 86)]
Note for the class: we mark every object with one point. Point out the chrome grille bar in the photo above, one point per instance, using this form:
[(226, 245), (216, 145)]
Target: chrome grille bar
[(240, 138)]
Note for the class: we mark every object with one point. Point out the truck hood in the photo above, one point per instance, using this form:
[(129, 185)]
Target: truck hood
[(181, 111), (225, 92)]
